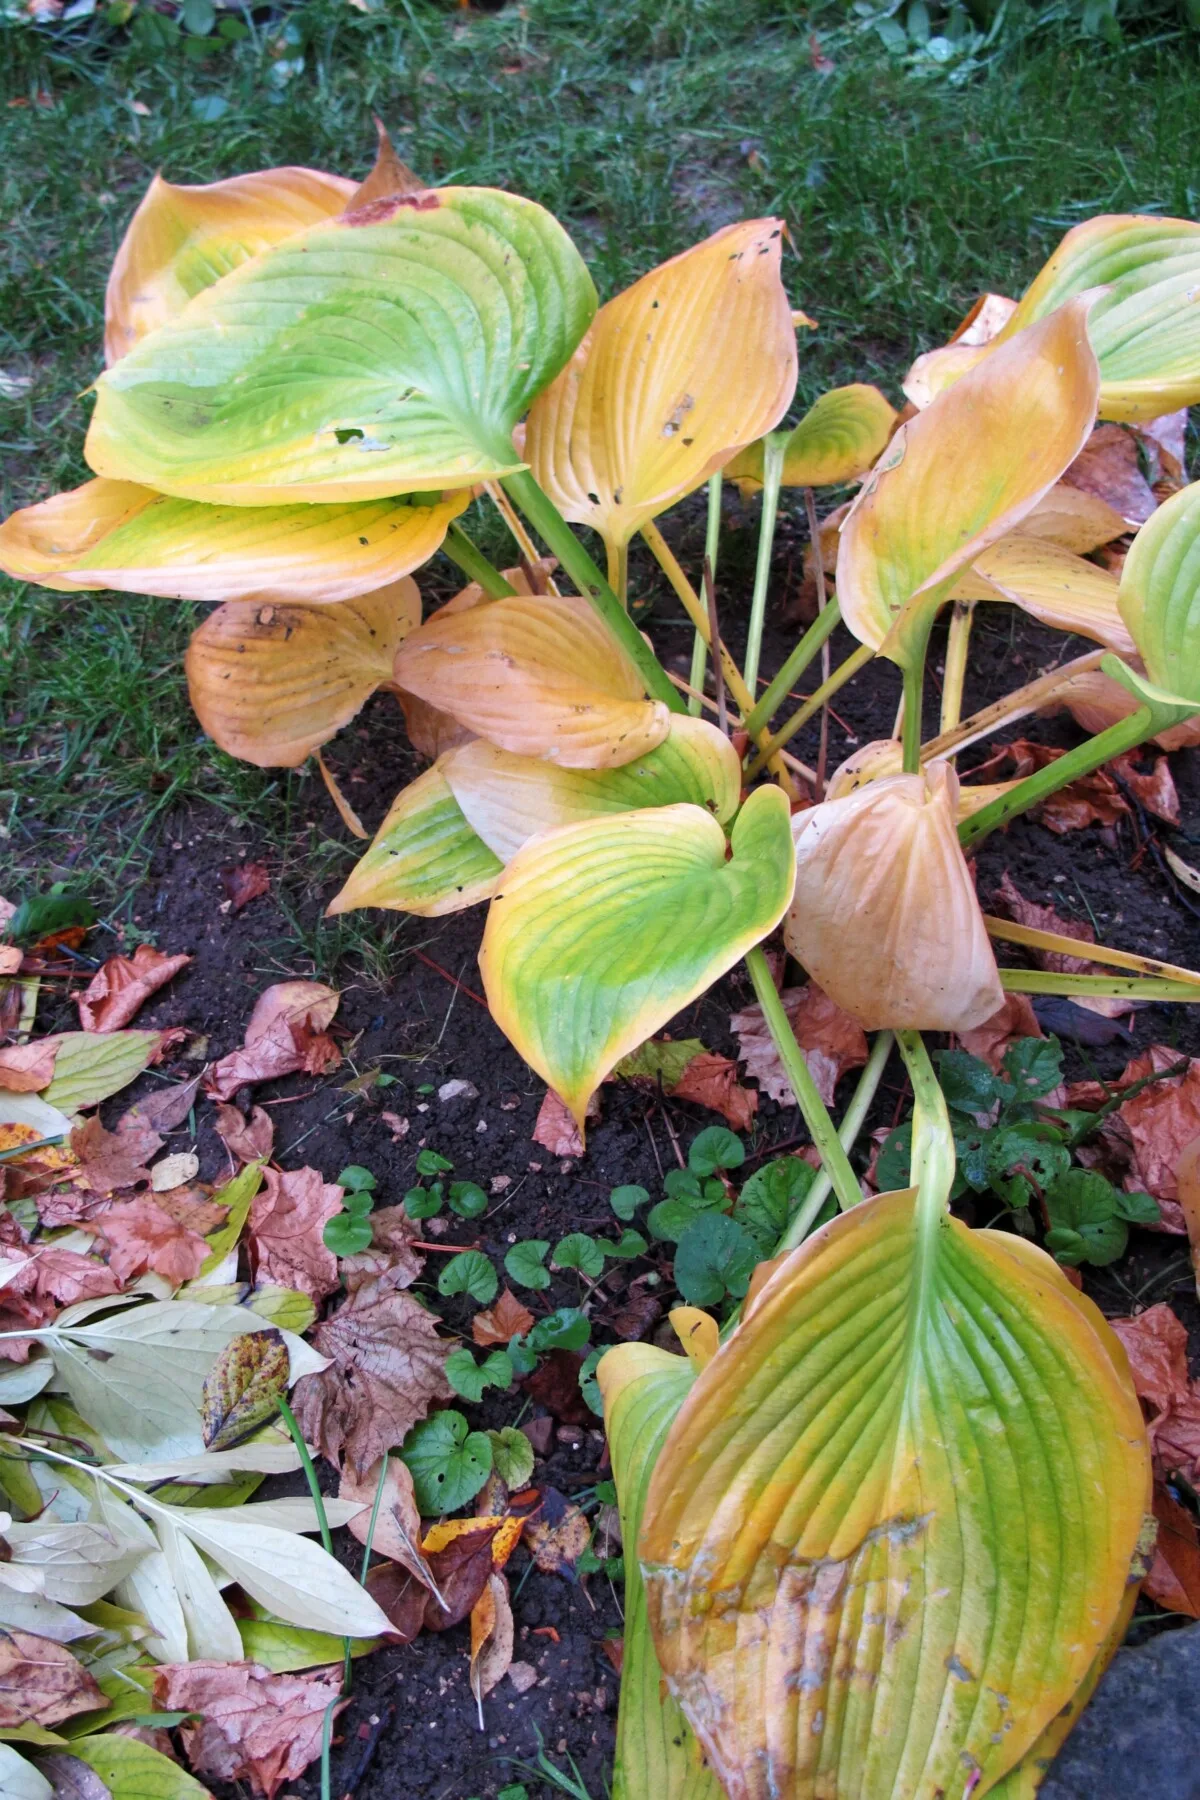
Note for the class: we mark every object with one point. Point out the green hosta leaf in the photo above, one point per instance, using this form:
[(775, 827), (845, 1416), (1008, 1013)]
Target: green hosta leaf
[(386, 352), (579, 1251), (512, 1456), (658, 1059), (603, 931), (283, 1648), (524, 1263), (469, 1378), (470, 1272), (626, 1200), (131, 1770), (1085, 1219), (424, 859), (715, 1257), (715, 1148), (91, 1065), (448, 1462), (1159, 582)]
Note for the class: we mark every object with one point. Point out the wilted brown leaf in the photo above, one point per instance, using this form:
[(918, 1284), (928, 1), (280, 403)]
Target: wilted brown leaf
[(243, 1388), (1109, 467), (1015, 1019), (711, 1080), (557, 1535), (1162, 1120), (253, 1725), (48, 1277), (250, 1140), (141, 1236), (1010, 903), (1156, 1344), (71, 1777), (554, 1384), (41, 1683), (460, 1570), (556, 1131), (398, 1526), (244, 882), (502, 1320), (24, 1068), (491, 1637), (1174, 1578), (286, 1033), (386, 1370), (391, 1259), (1187, 1180), (190, 1205), (287, 1217), (162, 1110), (122, 986), (1155, 790), (830, 1039), (634, 1319), (110, 1160), (1094, 799)]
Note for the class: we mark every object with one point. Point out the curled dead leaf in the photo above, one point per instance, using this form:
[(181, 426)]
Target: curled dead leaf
[(287, 1217), (122, 985), (503, 1320), (286, 1033), (253, 1725), (41, 1683)]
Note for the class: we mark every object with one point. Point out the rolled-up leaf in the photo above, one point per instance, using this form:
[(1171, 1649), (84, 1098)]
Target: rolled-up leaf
[(839, 437), (693, 361), (117, 534), (1052, 586), (270, 684), (1160, 593), (895, 1519), (389, 350), (601, 932), (424, 859), (884, 915)]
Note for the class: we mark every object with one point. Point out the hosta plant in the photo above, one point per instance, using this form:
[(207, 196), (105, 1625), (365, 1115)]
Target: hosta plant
[(883, 1531)]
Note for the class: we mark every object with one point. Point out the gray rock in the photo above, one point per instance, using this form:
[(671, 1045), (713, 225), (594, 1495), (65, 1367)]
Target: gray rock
[(1142, 1728)]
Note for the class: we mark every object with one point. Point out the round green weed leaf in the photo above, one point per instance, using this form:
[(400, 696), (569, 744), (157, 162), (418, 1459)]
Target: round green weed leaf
[(448, 1462), (524, 1263), (471, 1273)]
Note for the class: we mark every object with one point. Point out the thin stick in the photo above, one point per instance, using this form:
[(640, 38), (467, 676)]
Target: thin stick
[(525, 544), (710, 595), (447, 976), (773, 449), (814, 534), (712, 538), (851, 1125), (841, 675)]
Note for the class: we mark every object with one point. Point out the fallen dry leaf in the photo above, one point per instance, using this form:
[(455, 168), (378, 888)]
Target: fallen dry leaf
[(711, 1080), (254, 1726), (162, 1110), (1094, 799), (24, 1068), (248, 1139), (1015, 1019), (492, 1637), (141, 1235), (287, 1217), (243, 1388), (557, 1535), (460, 1570), (111, 1160), (1010, 903), (386, 1370), (1187, 1180), (1162, 1120), (830, 1039), (555, 1129), (1174, 1578), (190, 1205), (1154, 790), (634, 1319), (554, 1384), (122, 985), (48, 1277), (398, 1526), (244, 882), (1156, 1344), (391, 1260), (502, 1320), (286, 1034), (1109, 467), (41, 1683)]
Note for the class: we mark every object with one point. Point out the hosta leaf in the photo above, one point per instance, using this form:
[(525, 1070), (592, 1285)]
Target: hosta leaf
[(1074, 520), (425, 857), (1160, 593), (509, 799), (537, 675), (693, 361), (962, 474), (603, 931), (839, 436), (91, 1065), (272, 683), (389, 351), (1052, 585), (115, 534), (131, 1770), (894, 1521), (182, 239), (284, 1648)]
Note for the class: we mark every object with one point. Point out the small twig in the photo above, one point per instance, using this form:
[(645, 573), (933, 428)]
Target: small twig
[(452, 979), (671, 1133), (653, 1145), (382, 1721), (710, 598)]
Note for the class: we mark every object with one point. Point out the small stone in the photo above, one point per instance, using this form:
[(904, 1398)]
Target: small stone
[(499, 1183), (482, 1125), (458, 1090), (510, 1102), (523, 1676), (569, 1434)]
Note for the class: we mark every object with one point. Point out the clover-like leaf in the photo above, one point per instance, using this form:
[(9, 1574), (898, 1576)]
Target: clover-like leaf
[(512, 1456), (388, 351), (448, 1462), (895, 1387), (693, 361), (602, 931), (271, 683), (579, 1251), (425, 858), (116, 534), (839, 437), (961, 474)]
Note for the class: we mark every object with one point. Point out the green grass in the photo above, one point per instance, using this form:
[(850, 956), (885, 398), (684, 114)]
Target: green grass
[(643, 124)]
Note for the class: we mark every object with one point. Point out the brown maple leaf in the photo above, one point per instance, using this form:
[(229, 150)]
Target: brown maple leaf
[(1162, 1120), (244, 882), (122, 985), (391, 1259), (141, 1236), (110, 1160), (503, 1320), (41, 1683), (287, 1217), (711, 1080), (830, 1039), (24, 1068), (386, 1370), (249, 1139), (1174, 1578), (286, 1033), (254, 1726)]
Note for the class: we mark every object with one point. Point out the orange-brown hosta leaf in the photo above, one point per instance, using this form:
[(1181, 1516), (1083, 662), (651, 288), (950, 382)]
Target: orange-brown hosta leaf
[(833, 1599), (272, 683), (1051, 584), (386, 1370), (142, 1236), (1074, 520), (884, 913), (251, 1725), (962, 474), (1095, 701), (538, 675), (839, 437), (502, 1320), (287, 1217), (830, 1039), (120, 987), (692, 362), (116, 534), (24, 1068), (41, 1683), (1156, 1344), (286, 1033)]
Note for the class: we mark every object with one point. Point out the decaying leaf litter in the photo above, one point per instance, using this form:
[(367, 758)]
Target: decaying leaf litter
[(378, 1330)]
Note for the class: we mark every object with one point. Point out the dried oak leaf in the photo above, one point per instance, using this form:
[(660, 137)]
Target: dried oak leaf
[(254, 1726), (1015, 1019), (248, 1139), (502, 1320), (830, 1039), (142, 1236), (41, 1683), (1156, 1344), (111, 1160), (1174, 1578), (1162, 1120), (122, 985), (556, 1131), (25, 1068), (287, 1217), (460, 1570), (386, 1370), (711, 1080), (244, 882), (286, 1033)]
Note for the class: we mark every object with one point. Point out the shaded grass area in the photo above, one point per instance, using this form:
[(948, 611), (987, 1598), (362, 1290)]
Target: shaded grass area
[(643, 124)]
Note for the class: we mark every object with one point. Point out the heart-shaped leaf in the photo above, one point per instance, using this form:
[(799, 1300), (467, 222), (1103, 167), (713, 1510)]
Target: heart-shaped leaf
[(271, 683), (895, 1519), (390, 350), (962, 474), (1051, 585), (115, 534), (425, 857), (839, 436), (693, 361), (603, 931), (1160, 594)]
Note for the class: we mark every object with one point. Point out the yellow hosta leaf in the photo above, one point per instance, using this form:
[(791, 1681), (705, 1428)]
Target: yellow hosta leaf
[(884, 915), (601, 932), (961, 474), (509, 799), (425, 858), (840, 435), (116, 534), (1160, 594), (692, 362), (539, 676), (883, 757), (1074, 519), (893, 1523), (271, 683), (1052, 585), (182, 239)]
